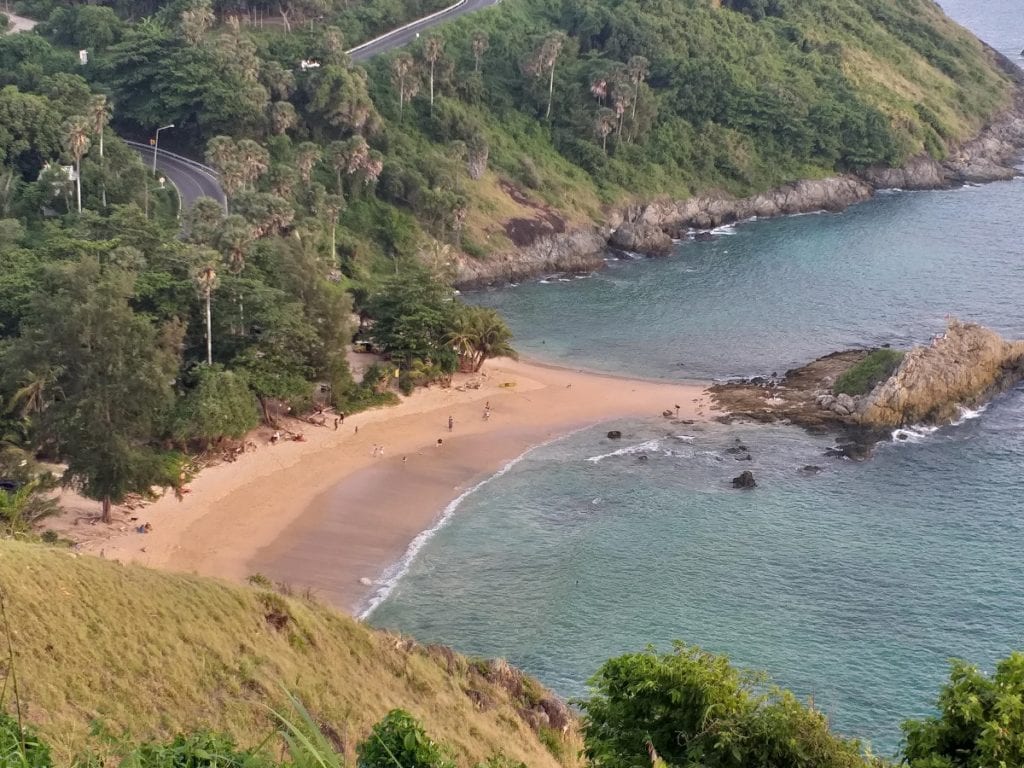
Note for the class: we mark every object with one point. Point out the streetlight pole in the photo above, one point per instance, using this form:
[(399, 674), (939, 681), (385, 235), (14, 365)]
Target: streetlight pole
[(156, 142)]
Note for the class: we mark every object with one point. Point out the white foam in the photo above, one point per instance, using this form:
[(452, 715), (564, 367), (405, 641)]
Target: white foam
[(543, 282), (685, 438), (725, 229), (650, 445), (390, 578), (967, 414), (913, 434)]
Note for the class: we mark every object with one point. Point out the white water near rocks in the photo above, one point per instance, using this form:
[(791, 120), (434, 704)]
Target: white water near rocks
[(850, 582)]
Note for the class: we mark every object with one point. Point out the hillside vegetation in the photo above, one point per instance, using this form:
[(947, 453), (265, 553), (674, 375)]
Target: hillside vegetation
[(100, 647)]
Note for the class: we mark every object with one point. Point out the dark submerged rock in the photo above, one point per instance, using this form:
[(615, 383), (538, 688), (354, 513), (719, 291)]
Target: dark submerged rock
[(745, 480)]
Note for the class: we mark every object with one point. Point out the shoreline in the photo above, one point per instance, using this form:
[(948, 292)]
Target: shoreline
[(327, 515)]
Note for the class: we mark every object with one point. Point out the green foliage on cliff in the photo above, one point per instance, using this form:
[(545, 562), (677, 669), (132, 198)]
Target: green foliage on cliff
[(869, 372)]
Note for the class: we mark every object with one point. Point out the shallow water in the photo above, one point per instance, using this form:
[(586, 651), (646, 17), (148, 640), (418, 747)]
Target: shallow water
[(853, 585)]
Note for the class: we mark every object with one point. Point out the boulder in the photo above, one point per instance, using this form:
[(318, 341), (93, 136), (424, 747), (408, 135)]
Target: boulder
[(642, 238), (826, 401), (614, 435), (745, 480), (964, 367)]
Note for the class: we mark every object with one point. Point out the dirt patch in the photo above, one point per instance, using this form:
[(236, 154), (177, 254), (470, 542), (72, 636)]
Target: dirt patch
[(524, 231)]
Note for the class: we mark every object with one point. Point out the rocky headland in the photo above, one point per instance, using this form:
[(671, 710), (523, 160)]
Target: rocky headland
[(648, 227), (930, 384)]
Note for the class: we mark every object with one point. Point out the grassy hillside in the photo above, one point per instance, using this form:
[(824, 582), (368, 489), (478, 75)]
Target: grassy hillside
[(149, 655)]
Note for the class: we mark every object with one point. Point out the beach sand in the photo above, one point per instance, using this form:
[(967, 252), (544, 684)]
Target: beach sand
[(328, 515)]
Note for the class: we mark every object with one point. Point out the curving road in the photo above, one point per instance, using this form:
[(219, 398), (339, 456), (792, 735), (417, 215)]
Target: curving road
[(194, 180), (406, 34)]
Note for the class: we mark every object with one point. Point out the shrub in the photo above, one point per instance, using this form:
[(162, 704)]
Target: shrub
[(20, 746), (197, 750), (399, 740), (865, 375)]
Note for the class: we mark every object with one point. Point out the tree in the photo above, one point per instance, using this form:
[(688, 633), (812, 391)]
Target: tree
[(307, 154), (196, 22), (76, 141), (433, 49), (413, 314), (218, 405), (282, 117), (206, 282), (254, 160), (604, 124), (637, 68), (480, 43), (980, 720), (99, 114), (112, 371), (399, 739), (403, 76), (543, 60), (236, 236), (333, 206), (479, 334), (689, 707)]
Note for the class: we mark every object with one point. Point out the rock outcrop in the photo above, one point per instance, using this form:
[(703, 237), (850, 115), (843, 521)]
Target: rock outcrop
[(641, 238), (965, 366), (578, 250)]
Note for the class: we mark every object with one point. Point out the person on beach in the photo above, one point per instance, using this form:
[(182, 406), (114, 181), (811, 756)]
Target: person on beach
[(335, 423), (357, 430), (451, 423), (440, 442), (487, 413), (341, 416)]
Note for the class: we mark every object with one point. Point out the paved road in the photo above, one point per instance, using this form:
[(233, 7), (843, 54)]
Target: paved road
[(192, 179), (405, 35)]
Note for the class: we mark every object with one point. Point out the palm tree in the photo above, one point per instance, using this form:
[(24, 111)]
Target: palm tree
[(196, 22), (76, 142), (235, 238), (337, 158), (306, 156), (543, 61), (206, 281), (432, 51), (333, 206), (481, 42), (479, 334), (403, 69), (604, 124), (20, 510), (637, 68), (254, 159), (282, 117), (99, 113)]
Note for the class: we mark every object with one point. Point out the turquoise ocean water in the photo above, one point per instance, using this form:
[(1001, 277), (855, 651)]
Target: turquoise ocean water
[(854, 585)]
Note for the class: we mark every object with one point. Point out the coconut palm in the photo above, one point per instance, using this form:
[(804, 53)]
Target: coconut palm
[(235, 238), (306, 156), (333, 206), (254, 159), (206, 282), (543, 61), (76, 142), (604, 124), (20, 510), (433, 49), (282, 117), (637, 68), (481, 42), (99, 115), (403, 75), (478, 335)]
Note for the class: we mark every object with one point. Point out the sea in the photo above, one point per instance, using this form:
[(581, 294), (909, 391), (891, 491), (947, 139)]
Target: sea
[(853, 585)]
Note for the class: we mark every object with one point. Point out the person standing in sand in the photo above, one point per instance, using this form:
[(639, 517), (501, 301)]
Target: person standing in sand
[(451, 423)]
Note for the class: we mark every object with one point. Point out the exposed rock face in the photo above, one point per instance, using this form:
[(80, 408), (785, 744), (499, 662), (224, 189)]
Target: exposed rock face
[(642, 238), (703, 212), (578, 250), (964, 367), (921, 172)]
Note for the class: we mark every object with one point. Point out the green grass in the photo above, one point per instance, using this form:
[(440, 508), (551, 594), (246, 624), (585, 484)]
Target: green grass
[(865, 375), (146, 655)]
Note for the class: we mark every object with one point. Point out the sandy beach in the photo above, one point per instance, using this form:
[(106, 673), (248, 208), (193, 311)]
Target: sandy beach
[(330, 515)]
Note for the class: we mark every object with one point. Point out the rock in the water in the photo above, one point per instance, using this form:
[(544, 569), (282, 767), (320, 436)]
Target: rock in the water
[(745, 480), (642, 238), (614, 435), (963, 367), (811, 469), (366, 581)]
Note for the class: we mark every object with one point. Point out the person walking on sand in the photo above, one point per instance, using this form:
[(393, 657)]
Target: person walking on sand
[(335, 423), (451, 423)]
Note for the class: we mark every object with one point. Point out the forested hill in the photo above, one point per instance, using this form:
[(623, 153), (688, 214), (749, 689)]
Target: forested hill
[(353, 188)]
